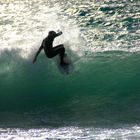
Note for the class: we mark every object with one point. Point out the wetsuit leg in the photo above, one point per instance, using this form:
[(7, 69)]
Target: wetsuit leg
[(59, 50), (55, 51)]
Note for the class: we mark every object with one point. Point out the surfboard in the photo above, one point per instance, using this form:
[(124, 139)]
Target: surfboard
[(66, 69)]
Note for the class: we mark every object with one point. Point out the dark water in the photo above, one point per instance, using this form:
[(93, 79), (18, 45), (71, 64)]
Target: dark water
[(102, 39)]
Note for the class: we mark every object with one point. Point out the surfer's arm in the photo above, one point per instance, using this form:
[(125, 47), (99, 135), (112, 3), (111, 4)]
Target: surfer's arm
[(35, 58), (59, 33)]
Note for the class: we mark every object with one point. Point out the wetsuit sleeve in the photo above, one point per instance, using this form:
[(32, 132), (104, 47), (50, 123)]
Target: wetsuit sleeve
[(36, 55)]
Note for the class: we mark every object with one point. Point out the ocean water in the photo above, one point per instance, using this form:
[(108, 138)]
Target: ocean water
[(99, 99)]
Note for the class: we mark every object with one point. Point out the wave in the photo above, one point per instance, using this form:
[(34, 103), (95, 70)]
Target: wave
[(104, 89)]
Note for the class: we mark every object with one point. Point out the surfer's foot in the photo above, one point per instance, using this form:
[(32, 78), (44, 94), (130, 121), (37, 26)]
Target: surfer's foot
[(64, 64)]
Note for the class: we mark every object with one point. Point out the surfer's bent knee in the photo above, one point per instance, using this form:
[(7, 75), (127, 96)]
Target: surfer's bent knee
[(62, 48)]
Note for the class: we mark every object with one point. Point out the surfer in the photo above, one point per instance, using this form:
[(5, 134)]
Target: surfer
[(50, 51)]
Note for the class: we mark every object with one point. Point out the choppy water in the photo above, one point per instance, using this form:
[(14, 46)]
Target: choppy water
[(74, 133), (100, 99)]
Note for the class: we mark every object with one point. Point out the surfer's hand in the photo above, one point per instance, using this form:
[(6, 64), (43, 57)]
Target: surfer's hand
[(59, 32), (34, 60)]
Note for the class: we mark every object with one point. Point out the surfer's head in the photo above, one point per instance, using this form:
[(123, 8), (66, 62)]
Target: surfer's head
[(52, 33)]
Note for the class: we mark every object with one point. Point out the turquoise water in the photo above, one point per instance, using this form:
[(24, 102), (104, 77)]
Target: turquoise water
[(99, 99)]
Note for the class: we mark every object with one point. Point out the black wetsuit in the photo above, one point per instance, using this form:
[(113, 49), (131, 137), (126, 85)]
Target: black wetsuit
[(51, 51)]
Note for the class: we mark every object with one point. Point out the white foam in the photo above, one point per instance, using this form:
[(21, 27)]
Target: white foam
[(125, 133), (25, 24)]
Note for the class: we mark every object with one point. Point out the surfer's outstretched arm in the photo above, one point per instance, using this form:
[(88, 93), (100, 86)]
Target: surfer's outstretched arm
[(59, 33), (35, 58)]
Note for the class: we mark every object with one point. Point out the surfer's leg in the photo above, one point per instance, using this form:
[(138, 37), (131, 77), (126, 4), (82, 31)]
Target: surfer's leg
[(61, 51)]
